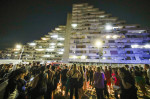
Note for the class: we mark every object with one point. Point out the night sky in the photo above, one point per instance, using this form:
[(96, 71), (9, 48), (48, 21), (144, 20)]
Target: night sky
[(23, 21)]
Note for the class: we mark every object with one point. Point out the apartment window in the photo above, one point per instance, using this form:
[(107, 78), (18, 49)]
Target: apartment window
[(113, 52), (133, 58), (146, 58), (146, 52), (109, 58), (129, 52), (92, 51), (80, 52), (128, 58), (81, 46), (127, 46), (111, 41)]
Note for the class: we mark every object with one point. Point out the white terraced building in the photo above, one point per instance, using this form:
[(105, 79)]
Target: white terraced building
[(49, 48), (90, 36), (98, 37)]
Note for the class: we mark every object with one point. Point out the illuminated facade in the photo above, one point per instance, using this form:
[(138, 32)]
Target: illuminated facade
[(49, 48), (90, 36), (121, 43)]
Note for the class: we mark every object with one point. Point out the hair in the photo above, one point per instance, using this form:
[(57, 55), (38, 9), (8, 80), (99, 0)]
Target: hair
[(136, 68), (98, 69), (16, 73), (147, 65), (84, 68), (127, 66), (81, 69), (126, 73)]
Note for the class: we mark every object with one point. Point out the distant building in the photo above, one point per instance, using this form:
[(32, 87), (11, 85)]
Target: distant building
[(90, 36)]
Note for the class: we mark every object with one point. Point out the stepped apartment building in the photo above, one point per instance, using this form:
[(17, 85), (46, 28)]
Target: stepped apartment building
[(90, 36)]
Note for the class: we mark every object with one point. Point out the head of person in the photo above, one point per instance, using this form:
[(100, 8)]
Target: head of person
[(19, 73), (126, 66), (90, 68), (105, 67), (109, 67), (74, 66), (80, 69), (113, 70), (146, 66), (98, 69), (122, 71), (136, 68), (42, 69)]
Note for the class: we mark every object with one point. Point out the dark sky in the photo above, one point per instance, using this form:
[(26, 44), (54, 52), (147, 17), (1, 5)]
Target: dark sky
[(23, 21)]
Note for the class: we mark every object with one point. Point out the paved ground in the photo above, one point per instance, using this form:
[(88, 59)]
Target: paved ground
[(89, 93)]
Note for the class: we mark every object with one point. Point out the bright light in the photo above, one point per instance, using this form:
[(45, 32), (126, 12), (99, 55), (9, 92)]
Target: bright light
[(32, 44), (104, 58), (147, 46), (134, 46), (98, 43), (52, 43), (45, 38), (83, 57), (18, 46), (108, 36), (108, 27), (46, 56), (60, 52), (74, 57), (57, 29), (102, 16), (74, 25), (54, 36), (60, 44), (61, 39), (39, 49), (50, 49), (115, 36)]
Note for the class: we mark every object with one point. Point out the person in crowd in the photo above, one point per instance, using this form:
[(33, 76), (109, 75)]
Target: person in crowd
[(64, 78), (80, 83), (127, 84), (91, 76), (75, 75), (50, 83), (140, 81), (108, 77), (127, 67), (11, 91), (21, 85), (99, 83), (115, 81), (147, 68), (39, 85)]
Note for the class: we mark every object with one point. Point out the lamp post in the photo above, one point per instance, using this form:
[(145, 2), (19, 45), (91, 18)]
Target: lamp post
[(99, 44), (20, 47)]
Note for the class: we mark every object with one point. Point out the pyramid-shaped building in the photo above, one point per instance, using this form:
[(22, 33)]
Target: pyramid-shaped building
[(90, 36)]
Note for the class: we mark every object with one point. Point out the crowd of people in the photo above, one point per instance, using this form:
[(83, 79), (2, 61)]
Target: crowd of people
[(36, 81)]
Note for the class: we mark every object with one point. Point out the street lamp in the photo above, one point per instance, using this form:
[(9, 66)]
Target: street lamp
[(18, 46), (99, 44)]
